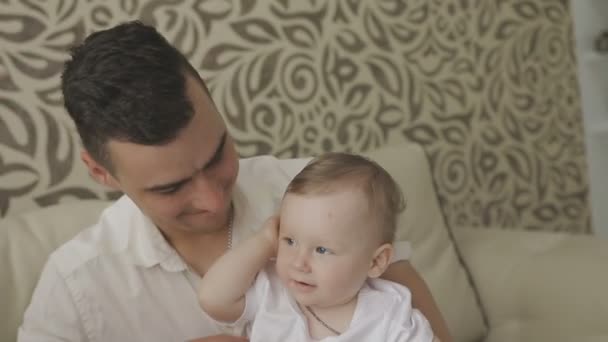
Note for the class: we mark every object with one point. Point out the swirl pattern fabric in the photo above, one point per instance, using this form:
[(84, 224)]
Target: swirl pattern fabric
[(488, 87)]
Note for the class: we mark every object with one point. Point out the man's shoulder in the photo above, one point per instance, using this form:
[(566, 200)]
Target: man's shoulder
[(108, 236), (267, 174), (259, 188), (269, 165)]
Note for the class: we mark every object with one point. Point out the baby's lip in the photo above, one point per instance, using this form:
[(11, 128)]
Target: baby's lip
[(303, 282), (301, 285)]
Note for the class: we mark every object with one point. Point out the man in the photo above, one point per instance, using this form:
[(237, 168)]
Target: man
[(151, 130)]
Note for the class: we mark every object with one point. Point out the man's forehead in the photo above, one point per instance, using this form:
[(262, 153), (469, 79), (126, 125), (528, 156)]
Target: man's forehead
[(154, 166), (194, 145), (140, 160)]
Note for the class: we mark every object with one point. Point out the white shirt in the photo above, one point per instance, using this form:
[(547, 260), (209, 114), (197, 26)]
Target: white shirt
[(383, 313), (119, 280)]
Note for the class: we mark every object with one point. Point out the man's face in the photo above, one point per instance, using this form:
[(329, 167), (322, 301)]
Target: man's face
[(185, 185), (326, 246)]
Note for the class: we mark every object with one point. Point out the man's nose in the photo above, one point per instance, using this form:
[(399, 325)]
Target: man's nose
[(209, 194)]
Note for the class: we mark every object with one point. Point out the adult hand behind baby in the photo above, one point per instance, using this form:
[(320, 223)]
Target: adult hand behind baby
[(221, 338)]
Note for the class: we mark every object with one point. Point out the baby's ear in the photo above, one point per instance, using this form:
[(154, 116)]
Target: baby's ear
[(382, 258)]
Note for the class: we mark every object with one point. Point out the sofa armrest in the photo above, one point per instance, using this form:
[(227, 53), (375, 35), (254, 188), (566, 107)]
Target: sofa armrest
[(26, 241), (539, 285)]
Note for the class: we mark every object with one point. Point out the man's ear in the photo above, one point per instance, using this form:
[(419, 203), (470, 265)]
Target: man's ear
[(99, 173), (382, 258)]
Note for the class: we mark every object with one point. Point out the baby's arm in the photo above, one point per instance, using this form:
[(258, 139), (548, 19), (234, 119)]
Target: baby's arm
[(223, 288)]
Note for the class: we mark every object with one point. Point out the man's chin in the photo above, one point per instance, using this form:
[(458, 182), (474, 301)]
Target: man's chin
[(204, 224)]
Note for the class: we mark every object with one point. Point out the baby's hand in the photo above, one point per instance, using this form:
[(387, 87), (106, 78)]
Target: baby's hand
[(270, 232)]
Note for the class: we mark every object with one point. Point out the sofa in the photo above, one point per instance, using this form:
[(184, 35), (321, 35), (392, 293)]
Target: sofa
[(491, 285), (473, 107)]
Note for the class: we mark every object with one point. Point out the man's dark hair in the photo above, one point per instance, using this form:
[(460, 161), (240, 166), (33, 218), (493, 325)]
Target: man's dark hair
[(126, 83)]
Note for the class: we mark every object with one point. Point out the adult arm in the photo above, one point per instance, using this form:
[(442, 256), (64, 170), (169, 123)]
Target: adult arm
[(223, 288), (404, 273), (52, 314)]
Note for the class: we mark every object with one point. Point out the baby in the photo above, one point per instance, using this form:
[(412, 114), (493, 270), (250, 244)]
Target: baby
[(332, 241)]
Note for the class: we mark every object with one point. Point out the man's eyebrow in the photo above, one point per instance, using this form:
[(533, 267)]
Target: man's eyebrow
[(163, 187), (216, 156), (218, 151)]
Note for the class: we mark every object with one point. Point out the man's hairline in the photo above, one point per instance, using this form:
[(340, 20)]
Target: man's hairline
[(105, 158)]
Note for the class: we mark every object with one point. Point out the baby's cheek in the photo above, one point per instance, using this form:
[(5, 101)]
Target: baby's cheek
[(280, 266)]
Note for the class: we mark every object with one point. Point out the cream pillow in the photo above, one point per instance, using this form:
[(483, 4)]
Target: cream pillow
[(26, 241), (434, 253)]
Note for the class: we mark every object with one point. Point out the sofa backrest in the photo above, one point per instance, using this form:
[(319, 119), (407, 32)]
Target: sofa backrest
[(27, 239)]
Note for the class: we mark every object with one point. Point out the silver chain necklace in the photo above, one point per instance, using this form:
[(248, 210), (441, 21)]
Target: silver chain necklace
[(230, 222), (228, 243), (327, 326), (190, 273)]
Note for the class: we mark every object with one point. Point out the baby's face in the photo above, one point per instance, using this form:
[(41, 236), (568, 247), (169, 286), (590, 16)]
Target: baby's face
[(326, 246)]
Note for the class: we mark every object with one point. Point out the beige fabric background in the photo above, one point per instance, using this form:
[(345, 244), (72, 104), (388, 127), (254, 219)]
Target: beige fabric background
[(488, 87)]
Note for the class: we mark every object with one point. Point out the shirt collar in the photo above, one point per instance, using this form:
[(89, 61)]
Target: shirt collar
[(147, 247)]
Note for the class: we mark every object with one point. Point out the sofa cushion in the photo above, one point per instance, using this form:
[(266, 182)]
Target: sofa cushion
[(434, 252), (539, 286), (26, 241)]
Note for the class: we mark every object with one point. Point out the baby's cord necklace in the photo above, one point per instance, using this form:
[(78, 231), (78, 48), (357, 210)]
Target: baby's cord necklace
[(321, 321)]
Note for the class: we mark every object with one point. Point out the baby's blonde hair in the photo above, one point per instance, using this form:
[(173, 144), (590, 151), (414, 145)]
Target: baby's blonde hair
[(335, 171)]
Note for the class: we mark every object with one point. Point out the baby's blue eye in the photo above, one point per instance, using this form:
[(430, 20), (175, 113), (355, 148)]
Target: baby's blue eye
[(321, 250), (289, 241)]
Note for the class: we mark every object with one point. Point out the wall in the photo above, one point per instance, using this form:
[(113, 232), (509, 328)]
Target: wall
[(488, 87)]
